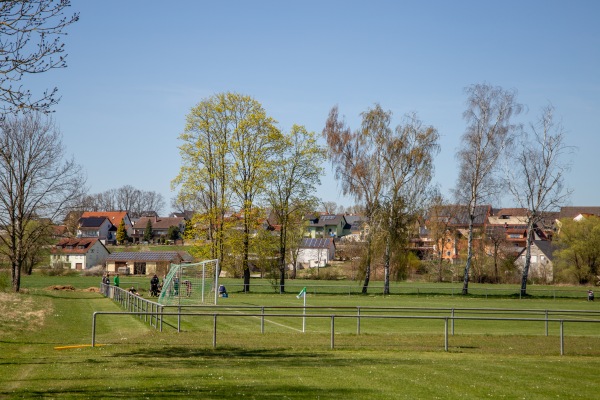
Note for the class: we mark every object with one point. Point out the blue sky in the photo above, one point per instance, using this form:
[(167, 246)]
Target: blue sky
[(136, 68)]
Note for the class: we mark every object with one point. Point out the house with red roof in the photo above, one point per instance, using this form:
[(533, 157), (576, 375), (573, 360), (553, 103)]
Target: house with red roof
[(78, 253), (114, 217)]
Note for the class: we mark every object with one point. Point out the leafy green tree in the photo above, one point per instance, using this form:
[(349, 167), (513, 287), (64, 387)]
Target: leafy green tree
[(173, 233), (148, 234), (190, 231), (577, 258), (227, 151), (297, 169), (122, 236)]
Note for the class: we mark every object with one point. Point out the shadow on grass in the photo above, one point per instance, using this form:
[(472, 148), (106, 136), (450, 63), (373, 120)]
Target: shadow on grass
[(195, 390)]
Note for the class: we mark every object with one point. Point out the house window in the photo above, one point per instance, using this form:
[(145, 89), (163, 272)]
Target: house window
[(533, 259)]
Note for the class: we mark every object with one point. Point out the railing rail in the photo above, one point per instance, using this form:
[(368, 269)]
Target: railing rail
[(332, 318), (151, 311)]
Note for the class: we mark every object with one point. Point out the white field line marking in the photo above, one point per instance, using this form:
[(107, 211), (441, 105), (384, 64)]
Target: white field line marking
[(276, 323)]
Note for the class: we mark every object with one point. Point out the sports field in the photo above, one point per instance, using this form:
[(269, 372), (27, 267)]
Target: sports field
[(389, 359)]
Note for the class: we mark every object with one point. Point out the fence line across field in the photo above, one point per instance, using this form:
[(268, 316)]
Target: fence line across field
[(134, 303), (332, 318), (356, 289), (358, 310)]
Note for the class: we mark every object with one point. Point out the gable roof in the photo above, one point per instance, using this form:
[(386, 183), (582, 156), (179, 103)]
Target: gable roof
[(76, 245), (159, 222), (328, 220), (320, 243), (545, 246), (458, 215), (144, 256), (115, 217), (572, 212), (92, 222)]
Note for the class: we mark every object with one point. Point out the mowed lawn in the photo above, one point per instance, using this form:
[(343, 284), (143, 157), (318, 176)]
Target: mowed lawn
[(390, 359)]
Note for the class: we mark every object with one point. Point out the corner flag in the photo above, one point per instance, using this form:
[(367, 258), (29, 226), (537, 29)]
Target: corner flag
[(302, 293)]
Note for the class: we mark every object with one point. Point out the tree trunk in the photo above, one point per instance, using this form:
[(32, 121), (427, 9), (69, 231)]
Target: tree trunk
[(386, 267), (465, 289), (527, 259), (246, 279), (367, 268)]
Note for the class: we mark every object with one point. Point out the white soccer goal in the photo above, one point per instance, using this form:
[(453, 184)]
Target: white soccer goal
[(191, 284)]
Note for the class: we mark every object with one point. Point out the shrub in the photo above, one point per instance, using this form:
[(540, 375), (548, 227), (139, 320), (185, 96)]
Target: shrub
[(96, 270)]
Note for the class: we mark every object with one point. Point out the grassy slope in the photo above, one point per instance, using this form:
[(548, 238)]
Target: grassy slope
[(138, 362)]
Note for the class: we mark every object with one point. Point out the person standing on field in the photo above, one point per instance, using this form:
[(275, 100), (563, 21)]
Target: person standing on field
[(117, 280)]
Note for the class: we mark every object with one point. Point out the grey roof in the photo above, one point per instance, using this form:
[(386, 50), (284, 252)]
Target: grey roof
[(170, 256), (91, 222), (328, 220), (309, 243), (545, 247)]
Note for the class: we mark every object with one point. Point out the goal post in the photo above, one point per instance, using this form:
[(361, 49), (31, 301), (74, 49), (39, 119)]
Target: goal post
[(191, 284)]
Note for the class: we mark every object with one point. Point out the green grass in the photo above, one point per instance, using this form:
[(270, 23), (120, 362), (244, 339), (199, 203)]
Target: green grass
[(390, 359)]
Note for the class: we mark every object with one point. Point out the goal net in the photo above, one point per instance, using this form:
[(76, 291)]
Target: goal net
[(191, 284)]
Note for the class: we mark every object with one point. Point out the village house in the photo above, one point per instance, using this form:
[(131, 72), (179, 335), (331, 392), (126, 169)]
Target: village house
[(160, 226), (145, 262), (314, 253), (541, 268), (325, 226), (96, 227), (79, 253)]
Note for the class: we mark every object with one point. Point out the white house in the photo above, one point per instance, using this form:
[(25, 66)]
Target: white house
[(316, 252), (96, 227), (79, 253), (541, 267)]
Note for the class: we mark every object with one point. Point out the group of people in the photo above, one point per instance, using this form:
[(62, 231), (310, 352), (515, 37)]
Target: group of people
[(156, 286), (106, 279)]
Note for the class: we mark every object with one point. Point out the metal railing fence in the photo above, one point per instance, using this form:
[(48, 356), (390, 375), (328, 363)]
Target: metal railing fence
[(333, 317), (151, 311)]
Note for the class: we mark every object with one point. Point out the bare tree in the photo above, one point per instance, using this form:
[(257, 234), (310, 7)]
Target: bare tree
[(35, 183), (329, 207), (489, 132), (30, 43), (536, 174), (358, 166), (407, 161), (125, 198)]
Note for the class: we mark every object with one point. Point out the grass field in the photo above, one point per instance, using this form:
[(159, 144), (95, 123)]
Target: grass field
[(390, 359)]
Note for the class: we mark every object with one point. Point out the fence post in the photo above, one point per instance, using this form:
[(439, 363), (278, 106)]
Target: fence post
[(93, 329), (546, 322), (162, 309), (179, 318), (262, 320), (446, 333), (358, 321), (452, 321), (562, 339), (214, 331), (332, 331)]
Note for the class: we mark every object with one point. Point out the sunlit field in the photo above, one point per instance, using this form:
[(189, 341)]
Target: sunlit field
[(263, 346)]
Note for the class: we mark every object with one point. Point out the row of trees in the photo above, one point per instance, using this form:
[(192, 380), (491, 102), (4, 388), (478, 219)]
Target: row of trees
[(126, 198), (235, 157), (533, 156)]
